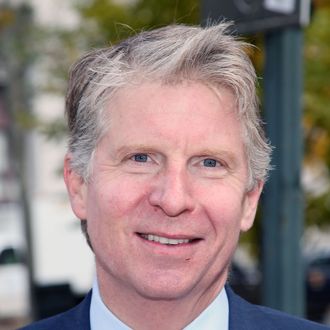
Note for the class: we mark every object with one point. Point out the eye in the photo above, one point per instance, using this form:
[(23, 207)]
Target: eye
[(209, 162), (210, 166), (140, 158)]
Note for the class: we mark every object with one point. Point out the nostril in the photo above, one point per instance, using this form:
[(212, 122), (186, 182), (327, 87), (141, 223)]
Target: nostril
[(172, 207)]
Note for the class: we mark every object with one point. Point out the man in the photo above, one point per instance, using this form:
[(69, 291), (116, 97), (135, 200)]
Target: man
[(166, 164)]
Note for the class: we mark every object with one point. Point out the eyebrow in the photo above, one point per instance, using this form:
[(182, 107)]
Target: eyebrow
[(123, 150)]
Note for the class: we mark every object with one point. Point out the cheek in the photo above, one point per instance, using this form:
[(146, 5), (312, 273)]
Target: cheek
[(225, 209), (108, 207), (115, 200)]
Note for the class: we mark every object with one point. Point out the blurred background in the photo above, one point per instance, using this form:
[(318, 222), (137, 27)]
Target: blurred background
[(45, 264)]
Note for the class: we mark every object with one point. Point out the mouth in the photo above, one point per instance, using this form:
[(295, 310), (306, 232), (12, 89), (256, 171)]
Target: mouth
[(167, 240)]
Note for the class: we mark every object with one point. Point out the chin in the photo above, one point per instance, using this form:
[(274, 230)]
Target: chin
[(164, 294), (166, 288)]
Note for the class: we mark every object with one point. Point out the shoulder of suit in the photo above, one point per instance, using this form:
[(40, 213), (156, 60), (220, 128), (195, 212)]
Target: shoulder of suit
[(75, 318), (244, 315), (283, 320)]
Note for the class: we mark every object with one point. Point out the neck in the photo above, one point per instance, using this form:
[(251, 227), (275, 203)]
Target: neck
[(143, 313)]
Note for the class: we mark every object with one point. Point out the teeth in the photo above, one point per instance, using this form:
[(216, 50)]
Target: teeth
[(164, 240)]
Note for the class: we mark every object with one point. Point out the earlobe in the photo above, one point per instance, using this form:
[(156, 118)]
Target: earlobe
[(250, 206), (76, 188)]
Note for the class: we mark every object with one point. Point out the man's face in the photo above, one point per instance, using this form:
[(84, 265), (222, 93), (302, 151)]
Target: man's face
[(167, 196)]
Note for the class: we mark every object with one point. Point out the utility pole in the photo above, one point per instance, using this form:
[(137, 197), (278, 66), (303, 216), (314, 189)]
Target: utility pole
[(283, 202)]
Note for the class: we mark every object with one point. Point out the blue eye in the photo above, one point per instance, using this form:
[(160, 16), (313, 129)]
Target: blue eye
[(209, 162), (141, 158)]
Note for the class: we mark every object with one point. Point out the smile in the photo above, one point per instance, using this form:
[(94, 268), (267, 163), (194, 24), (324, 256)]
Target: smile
[(165, 240)]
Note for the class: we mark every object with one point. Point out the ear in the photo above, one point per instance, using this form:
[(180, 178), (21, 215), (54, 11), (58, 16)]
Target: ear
[(76, 188), (250, 205)]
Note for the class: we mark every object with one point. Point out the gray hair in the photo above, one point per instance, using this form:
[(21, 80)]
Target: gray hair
[(169, 55)]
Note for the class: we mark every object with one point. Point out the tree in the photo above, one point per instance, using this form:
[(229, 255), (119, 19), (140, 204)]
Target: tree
[(117, 21), (317, 114)]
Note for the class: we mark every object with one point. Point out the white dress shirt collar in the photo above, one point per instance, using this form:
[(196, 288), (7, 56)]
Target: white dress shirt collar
[(214, 317)]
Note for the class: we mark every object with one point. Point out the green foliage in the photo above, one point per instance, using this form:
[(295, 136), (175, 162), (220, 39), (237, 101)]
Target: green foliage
[(318, 210), (117, 21), (317, 110), (317, 83)]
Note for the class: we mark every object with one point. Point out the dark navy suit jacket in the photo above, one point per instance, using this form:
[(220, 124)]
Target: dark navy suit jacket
[(242, 316)]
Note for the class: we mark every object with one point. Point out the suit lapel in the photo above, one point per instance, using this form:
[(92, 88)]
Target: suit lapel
[(78, 318), (243, 315)]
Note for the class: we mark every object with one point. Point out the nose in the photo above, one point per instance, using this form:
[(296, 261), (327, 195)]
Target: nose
[(172, 193)]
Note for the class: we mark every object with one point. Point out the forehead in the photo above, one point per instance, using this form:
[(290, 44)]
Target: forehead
[(187, 113), (195, 98)]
